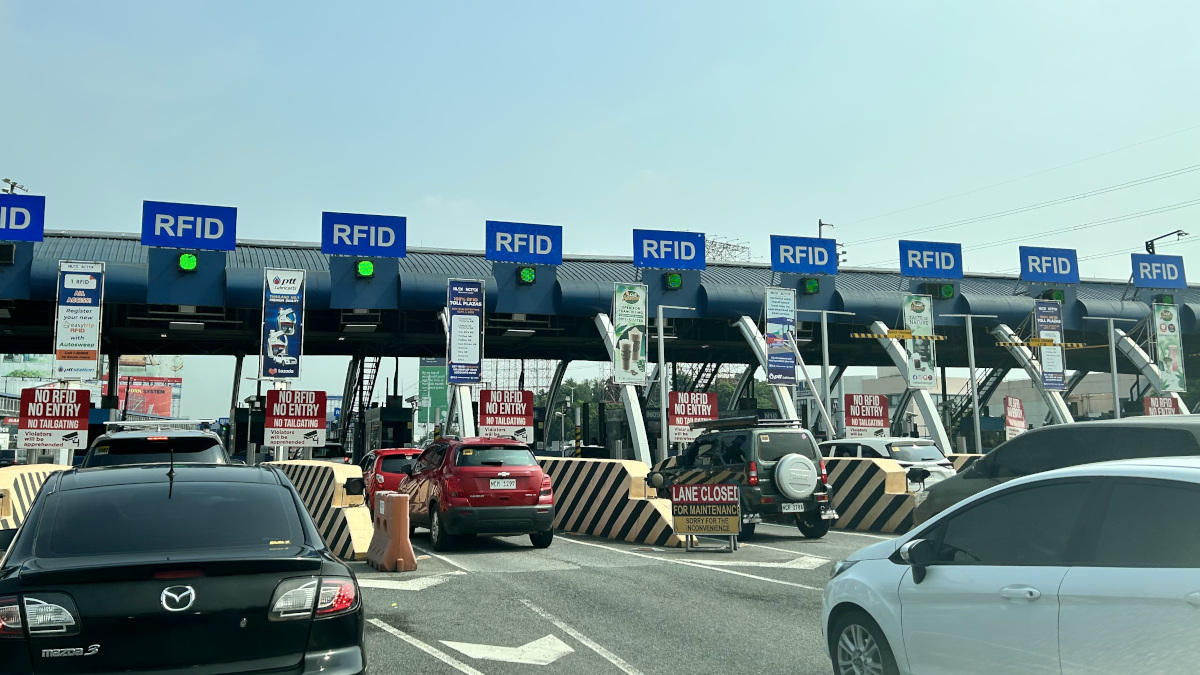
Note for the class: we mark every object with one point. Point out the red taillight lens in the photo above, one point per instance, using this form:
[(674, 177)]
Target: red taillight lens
[(178, 574), (453, 486), (753, 473), (156, 438), (10, 618), (337, 595), (547, 486), (824, 476)]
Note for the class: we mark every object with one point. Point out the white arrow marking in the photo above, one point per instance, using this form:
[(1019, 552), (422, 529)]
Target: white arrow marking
[(801, 563), (540, 652), (418, 584)]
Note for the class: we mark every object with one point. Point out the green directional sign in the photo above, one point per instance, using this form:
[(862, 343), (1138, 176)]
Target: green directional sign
[(431, 390)]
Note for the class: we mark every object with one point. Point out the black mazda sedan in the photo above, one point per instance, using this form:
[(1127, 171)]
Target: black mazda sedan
[(194, 569)]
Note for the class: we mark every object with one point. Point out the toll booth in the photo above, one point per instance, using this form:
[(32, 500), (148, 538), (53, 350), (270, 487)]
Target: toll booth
[(390, 425)]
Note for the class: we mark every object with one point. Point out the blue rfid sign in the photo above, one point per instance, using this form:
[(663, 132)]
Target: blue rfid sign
[(363, 235), (1049, 265), (803, 255), (1158, 271), (170, 225), (22, 217), (668, 250), (523, 243), (930, 260)]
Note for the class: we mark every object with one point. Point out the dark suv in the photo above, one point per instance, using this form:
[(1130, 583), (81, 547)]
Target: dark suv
[(146, 446), (775, 462)]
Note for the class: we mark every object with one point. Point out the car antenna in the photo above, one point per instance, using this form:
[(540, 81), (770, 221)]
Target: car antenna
[(171, 471)]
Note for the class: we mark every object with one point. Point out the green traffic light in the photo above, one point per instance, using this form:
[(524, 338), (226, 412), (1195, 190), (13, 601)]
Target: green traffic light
[(947, 291), (812, 286), (526, 275), (365, 269), (188, 262), (674, 281)]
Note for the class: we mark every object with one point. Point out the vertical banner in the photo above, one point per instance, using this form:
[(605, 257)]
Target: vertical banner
[(53, 418), (431, 390), (866, 415), (506, 412), (1160, 405), (685, 407), (629, 333), (780, 307), (1048, 325), (77, 322), (294, 418), (1168, 354), (283, 325), (464, 347), (922, 362), (1014, 417)]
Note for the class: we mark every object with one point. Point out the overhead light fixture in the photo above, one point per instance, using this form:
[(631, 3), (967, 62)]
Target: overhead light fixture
[(8, 253), (1053, 294), (188, 262), (1160, 299), (519, 332), (341, 337), (359, 328), (5, 314), (673, 281), (364, 269), (185, 325), (526, 275)]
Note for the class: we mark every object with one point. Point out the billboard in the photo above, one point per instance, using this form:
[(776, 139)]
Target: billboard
[(432, 400), (294, 418), (77, 320), (1160, 405), (1014, 417), (506, 412), (780, 309), (866, 415), (1168, 352), (685, 407), (283, 325), (146, 395), (1048, 325), (922, 361), (629, 333), (464, 347)]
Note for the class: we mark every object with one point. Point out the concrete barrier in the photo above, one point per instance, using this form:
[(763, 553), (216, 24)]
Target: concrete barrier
[(607, 498), (961, 462), (870, 495), (390, 549), (341, 518), (18, 486)]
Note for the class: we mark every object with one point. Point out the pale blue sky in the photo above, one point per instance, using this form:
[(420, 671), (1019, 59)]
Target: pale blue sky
[(737, 119)]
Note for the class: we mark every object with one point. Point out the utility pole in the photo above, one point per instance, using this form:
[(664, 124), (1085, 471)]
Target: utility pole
[(821, 225), (1149, 244)]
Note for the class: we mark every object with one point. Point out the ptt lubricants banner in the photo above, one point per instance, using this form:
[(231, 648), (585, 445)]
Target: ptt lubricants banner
[(706, 509), (283, 325)]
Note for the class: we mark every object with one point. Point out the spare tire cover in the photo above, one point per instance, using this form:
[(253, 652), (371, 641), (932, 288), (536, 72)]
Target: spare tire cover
[(796, 476)]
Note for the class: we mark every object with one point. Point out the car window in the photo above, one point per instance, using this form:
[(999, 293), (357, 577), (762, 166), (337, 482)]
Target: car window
[(703, 447), (734, 448), (494, 455), (1063, 446), (151, 449), (1026, 526), (395, 464), (871, 451), (773, 445), (915, 452), (1142, 526), (154, 517), (845, 450)]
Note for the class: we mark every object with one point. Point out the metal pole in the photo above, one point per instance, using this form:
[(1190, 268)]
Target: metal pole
[(664, 434), (1112, 364), (825, 370), (824, 412), (974, 387)]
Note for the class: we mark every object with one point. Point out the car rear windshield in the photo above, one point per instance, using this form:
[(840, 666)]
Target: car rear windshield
[(157, 517), (916, 452), (143, 450), (773, 445), (395, 464), (494, 455)]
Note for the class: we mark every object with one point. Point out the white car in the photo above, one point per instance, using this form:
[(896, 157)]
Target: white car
[(909, 453), (1091, 569)]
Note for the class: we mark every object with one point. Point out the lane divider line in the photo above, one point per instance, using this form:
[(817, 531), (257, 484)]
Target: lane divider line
[(787, 550), (584, 640), (427, 648), (696, 564), (857, 534)]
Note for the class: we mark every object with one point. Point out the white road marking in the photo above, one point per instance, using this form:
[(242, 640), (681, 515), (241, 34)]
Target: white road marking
[(427, 648), (801, 563), (584, 640), (784, 550), (540, 652), (443, 559), (693, 564), (832, 531), (417, 584)]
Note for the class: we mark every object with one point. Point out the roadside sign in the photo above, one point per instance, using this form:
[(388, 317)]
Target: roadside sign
[(866, 415), (780, 309), (899, 334), (506, 412), (629, 333), (363, 235), (12, 420), (294, 418), (170, 225), (282, 343), (1049, 265), (464, 348), (1160, 405), (930, 260), (431, 388), (53, 418), (77, 320), (1048, 326), (685, 407), (222, 420), (1014, 417), (1158, 271), (668, 250), (922, 359), (706, 509), (803, 255), (22, 217), (1041, 342), (1168, 347), (523, 243)]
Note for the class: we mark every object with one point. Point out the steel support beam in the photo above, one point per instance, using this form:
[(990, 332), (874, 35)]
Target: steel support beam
[(925, 405), (629, 397), (1146, 366), (560, 372), (783, 395), (1059, 412)]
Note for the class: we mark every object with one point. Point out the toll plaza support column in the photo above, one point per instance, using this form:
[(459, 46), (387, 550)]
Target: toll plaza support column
[(460, 408), (629, 396), (1059, 412), (1142, 361), (754, 337), (925, 405)]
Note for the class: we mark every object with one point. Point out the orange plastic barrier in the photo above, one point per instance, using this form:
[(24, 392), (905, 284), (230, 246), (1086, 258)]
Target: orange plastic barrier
[(390, 549)]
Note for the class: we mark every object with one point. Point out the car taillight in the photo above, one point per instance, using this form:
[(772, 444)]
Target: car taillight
[(293, 599), (10, 618), (337, 595), (547, 486), (51, 614), (453, 486), (822, 496), (824, 475), (753, 473)]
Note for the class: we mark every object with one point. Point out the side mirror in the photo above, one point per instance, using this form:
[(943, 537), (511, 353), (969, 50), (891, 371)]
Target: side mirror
[(919, 554), (355, 486), (238, 461)]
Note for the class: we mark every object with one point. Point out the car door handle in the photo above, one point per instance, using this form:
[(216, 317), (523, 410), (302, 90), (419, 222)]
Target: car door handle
[(1020, 593), (1193, 599)]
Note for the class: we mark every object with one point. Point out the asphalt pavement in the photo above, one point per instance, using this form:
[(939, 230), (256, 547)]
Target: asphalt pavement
[(498, 606)]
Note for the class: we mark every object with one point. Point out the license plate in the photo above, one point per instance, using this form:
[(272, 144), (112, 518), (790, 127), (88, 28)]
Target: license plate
[(504, 483), (793, 508)]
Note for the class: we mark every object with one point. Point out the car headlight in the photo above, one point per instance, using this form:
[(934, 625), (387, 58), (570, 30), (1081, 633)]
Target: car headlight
[(841, 566)]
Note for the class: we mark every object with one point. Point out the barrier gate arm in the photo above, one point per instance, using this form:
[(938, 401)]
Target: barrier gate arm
[(629, 396), (754, 337), (1141, 360), (925, 404), (1059, 412)]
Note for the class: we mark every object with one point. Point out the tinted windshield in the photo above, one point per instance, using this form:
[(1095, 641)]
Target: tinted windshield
[(495, 456), (773, 445), (916, 452), (148, 450), (142, 518), (395, 464)]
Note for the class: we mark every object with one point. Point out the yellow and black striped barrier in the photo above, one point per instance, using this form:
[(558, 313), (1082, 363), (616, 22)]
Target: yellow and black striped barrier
[(962, 461), (870, 495), (18, 486), (342, 519), (1067, 345), (607, 498), (878, 336)]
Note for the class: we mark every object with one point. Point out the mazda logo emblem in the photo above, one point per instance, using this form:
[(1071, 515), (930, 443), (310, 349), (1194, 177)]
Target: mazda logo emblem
[(177, 598)]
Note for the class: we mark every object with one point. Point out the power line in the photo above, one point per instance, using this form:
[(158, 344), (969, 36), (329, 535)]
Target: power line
[(1033, 207), (1029, 175)]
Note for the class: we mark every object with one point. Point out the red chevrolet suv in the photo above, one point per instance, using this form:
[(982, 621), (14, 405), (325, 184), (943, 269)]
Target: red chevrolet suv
[(383, 470), (480, 486)]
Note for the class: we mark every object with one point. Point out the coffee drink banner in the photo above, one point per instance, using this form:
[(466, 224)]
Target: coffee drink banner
[(1169, 351), (629, 333), (922, 363)]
